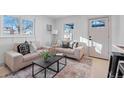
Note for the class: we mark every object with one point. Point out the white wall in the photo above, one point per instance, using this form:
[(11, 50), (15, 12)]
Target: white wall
[(121, 31), (80, 26), (41, 34), (118, 29), (81, 30), (115, 28)]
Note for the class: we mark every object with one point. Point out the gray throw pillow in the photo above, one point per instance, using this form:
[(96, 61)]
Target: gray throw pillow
[(65, 44)]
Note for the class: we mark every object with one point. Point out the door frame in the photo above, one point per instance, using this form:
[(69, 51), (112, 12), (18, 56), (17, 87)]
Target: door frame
[(109, 34)]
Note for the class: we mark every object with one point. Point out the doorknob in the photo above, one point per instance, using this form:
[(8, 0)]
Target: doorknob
[(90, 38)]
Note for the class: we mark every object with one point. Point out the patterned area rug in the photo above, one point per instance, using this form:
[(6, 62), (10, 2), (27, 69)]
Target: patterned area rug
[(74, 69)]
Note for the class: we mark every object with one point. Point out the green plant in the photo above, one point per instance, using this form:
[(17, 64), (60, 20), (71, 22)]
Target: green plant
[(45, 55)]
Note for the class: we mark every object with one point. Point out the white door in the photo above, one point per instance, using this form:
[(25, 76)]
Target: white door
[(99, 37)]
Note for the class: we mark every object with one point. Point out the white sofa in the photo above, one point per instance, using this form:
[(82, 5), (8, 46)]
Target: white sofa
[(15, 61), (76, 53)]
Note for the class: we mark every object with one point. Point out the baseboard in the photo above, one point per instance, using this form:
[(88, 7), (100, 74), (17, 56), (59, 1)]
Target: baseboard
[(99, 58)]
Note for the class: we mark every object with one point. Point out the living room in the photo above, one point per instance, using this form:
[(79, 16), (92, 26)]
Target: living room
[(71, 46), (49, 31)]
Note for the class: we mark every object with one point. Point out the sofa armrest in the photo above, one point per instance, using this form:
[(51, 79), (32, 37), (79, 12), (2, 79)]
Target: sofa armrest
[(79, 52), (11, 58)]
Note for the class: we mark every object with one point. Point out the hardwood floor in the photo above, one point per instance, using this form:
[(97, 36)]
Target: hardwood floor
[(99, 68)]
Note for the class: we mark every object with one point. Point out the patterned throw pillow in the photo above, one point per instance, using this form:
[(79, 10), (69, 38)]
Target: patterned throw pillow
[(24, 48), (75, 45)]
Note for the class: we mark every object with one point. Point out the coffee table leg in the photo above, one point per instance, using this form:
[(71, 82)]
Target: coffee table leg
[(44, 73), (58, 66), (32, 70), (65, 61)]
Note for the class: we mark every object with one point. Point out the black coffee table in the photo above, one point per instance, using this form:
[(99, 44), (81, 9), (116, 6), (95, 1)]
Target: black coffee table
[(46, 65)]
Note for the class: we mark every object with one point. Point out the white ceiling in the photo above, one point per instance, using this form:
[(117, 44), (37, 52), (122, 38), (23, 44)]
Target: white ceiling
[(57, 16)]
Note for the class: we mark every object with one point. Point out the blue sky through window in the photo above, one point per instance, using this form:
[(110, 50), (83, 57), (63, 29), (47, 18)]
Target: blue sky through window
[(68, 27), (98, 23), (14, 25), (10, 23), (27, 26)]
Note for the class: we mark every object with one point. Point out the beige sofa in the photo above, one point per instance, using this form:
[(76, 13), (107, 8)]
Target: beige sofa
[(76, 53), (15, 61)]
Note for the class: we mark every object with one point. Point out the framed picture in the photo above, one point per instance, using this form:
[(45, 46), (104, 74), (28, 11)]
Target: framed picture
[(49, 27)]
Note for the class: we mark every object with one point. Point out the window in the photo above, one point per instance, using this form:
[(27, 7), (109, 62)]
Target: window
[(68, 31), (10, 25), (27, 27), (17, 26), (98, 23)]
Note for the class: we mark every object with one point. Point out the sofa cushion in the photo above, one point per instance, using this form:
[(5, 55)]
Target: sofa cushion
[(65, 50), (30, 56)]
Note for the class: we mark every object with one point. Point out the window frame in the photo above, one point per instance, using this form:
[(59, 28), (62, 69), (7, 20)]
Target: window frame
[(72, 31), (20, 24)]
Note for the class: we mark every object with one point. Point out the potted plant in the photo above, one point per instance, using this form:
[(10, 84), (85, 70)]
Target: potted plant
[(45, 55)]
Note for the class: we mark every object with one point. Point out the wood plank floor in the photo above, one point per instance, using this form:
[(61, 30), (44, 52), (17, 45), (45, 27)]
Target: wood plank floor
[(99, 69)]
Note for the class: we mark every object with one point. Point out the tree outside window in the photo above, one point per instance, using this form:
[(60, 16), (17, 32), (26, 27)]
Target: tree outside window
[(68, 31), (10, 25), (27, 27), (14, 25)]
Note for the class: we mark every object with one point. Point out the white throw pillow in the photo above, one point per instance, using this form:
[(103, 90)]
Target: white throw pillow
[(33, 47), (74, 46), (71, 44)]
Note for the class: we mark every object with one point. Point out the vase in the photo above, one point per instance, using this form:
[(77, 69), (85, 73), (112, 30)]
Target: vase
[(46, 59)]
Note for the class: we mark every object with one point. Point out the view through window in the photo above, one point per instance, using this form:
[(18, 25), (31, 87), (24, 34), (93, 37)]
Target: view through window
[(14, 25), (68, 31), (11, 25)]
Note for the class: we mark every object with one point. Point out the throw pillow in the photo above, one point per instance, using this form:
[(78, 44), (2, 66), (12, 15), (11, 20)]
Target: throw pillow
[(75, 45), (33, 47), (24, 48), (71, 44), (27, 47), (65, 44)]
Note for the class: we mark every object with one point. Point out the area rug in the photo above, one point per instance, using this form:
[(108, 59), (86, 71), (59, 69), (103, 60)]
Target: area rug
[(74, 69)]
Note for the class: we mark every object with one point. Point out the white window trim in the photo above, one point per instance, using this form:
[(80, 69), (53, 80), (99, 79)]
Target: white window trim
[(18, 35)]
